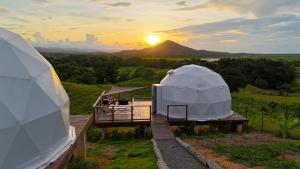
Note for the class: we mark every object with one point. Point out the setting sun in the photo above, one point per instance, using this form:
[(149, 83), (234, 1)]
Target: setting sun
[(153, 40)]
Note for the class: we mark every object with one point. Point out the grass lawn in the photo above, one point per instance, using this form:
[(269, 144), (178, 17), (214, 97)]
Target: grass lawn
[(139, 82), (129, 154), (267, 155), (250, 93), (82, 96), (254, 99)]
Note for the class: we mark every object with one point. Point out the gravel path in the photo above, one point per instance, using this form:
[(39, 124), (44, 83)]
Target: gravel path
[(176, 157)]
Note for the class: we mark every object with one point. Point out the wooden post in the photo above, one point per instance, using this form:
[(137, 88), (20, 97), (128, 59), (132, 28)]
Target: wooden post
[(239, 128), (186, 112), (246, 114), (168, 112), (80, 151), (95, 113), (113, 113), (131, 113), (150, 114)]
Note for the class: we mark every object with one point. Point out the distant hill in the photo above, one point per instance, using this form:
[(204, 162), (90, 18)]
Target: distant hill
[(170, 48), (68, 50), (166, 49)]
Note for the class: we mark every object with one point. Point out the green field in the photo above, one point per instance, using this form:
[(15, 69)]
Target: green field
[(82, 96)]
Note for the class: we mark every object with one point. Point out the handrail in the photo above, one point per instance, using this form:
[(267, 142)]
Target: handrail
[(115, 107), (98, 99), (138, 105), (137, 98), (177, 105), (95, 105)]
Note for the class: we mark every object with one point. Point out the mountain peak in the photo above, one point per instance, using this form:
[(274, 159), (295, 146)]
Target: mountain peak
[(165, 49), (168, 43)]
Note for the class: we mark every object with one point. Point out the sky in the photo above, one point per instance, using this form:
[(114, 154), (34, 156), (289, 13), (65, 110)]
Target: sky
[(254, 26)]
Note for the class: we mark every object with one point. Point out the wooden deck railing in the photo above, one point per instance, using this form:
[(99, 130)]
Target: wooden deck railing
[(177, 105), (97, 103), (105, 113), (109, 113)]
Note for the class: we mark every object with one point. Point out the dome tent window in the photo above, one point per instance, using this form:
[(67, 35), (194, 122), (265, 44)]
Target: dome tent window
[(34, 107), (205, 93)]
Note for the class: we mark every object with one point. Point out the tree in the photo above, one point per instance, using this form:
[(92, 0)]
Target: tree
[(124, 75), (144, 72), (286, 126), (285, 88), (234, 78)]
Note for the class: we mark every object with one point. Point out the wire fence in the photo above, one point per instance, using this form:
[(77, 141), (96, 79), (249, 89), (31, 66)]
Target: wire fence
[(264, 117)]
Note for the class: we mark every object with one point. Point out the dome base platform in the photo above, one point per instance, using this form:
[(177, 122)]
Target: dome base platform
[(121, 117)]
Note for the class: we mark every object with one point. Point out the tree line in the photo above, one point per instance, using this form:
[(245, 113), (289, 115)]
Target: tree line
[(263, 73)]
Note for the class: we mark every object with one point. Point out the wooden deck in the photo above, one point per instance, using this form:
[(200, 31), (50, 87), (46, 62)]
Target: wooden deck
[(235, 118), (81, 124), (137, 113)]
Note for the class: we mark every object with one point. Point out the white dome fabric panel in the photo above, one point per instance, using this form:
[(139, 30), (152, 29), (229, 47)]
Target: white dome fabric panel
[(34, 107), (203, 90)]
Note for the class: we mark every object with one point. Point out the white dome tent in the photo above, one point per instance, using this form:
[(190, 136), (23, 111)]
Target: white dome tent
[(34, 107), (205, 93)]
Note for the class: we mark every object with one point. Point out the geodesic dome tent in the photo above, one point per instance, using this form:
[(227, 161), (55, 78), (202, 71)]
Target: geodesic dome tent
[(34, 107), (205, 93)]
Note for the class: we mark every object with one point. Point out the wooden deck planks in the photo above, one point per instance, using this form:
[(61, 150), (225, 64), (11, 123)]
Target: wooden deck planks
[(81, 124)]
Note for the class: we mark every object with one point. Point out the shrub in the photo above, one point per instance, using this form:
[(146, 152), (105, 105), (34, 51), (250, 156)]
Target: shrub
[(93, 134), (83, 164)]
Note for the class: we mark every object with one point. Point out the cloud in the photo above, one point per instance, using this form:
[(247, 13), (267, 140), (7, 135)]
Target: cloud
[(44, 2), (116, 4), (17, 19), (99, 17), (229, 41), (250, 34), (3, 10), (181, 3), (255, 7), (121, 4), (90, 43)]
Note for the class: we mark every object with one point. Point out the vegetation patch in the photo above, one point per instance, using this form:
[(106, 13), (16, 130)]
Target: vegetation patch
[(257, 155), (129, 154), (83, 164)]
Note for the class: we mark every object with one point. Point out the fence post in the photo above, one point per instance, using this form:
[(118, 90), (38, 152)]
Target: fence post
[(262, 119)]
